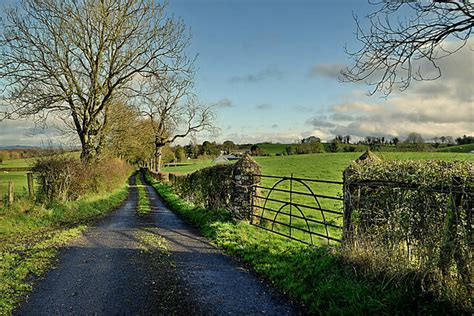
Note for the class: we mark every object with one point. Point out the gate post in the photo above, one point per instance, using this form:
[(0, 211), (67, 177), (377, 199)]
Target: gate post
[(347, 222), (245, 176), (29, 176), (11, 194)]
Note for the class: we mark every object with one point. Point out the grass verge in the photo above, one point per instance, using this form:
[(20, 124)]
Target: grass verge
[(321, 278), (31, 236), (143, 199)]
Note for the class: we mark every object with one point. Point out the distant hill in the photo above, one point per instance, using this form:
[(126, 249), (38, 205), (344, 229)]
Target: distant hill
[(457, 149), (19, 147)]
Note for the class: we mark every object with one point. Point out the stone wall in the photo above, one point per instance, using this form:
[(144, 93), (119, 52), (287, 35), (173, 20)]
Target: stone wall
[(245, 176), (219, 187)]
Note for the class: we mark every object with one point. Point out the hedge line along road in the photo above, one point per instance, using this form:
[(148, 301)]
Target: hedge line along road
[(156, 264)]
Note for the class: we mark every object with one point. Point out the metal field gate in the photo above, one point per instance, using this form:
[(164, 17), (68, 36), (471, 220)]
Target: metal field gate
[(296, 208)]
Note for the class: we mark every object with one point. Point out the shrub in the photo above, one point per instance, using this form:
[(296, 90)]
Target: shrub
[(102, 176), (55, 176), (63, 178), (306, 148)]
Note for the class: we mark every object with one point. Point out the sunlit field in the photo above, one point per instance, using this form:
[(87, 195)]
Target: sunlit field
[(327, 166)]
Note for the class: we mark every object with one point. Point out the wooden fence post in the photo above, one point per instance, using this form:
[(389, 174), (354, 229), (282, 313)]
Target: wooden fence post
[(11, 194), (31, 191)]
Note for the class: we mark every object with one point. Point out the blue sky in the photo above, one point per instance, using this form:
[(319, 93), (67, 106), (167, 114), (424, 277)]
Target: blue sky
[(259, 56), (271, 68)]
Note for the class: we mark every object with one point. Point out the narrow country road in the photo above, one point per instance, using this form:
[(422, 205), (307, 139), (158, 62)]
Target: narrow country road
[(119, 267)]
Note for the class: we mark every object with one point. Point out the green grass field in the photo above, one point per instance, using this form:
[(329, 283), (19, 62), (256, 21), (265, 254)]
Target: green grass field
[(327, 166), (269, 149), (17, 163), (18, 178), (193, 166), (457, 149)]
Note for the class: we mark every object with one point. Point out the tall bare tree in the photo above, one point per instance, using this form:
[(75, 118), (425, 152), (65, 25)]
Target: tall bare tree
[(76, 57), (404, 41), (172, 109)]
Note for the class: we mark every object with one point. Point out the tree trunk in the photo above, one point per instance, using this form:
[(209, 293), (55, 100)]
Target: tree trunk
[(157, 158), (88, 153)]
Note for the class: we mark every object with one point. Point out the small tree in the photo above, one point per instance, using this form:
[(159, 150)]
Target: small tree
[(255, 150), (167, 101), (335, 145), (414, 138), (228, 146), (180, 153)]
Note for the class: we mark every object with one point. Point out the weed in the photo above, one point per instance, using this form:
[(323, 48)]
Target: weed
[(143, 199)]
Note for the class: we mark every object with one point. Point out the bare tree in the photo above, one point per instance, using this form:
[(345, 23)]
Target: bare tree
[(404, 41), (172, 108), (76, 57)]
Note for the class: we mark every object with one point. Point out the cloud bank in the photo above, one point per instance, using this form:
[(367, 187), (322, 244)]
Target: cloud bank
[(432, 108)]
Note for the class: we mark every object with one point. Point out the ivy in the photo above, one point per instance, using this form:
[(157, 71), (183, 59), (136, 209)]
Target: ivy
[(209, 187), (415, 216)]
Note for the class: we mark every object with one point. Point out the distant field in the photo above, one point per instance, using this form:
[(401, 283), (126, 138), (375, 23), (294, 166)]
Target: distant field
[(17, 163), (271, 149), (193, 166), (458, 149), (327, 166), (18, 178)]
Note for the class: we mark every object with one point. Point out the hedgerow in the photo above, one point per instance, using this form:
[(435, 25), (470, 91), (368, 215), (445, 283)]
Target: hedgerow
[(65, 178), (209, 187), (414, 218)]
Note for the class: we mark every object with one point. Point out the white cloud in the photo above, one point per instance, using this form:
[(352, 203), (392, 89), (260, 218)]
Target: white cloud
[(264, 106), (332, 71), (224, 103), (270, 72), (355, 107)]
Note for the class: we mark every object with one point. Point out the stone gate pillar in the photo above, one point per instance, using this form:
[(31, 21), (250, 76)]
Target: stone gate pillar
[(246, 174)]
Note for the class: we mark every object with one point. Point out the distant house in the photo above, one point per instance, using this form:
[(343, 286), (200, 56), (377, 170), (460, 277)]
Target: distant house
[(225, 158)]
